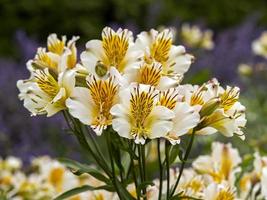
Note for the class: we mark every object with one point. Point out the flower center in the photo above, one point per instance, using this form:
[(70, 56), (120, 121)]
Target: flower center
[(168, 99), (103, 94), (229, 98), (225, 194), (42, 60), (55, 45), (115, 47), (47, 83), (150, 74), (141, 106), (160, 48)]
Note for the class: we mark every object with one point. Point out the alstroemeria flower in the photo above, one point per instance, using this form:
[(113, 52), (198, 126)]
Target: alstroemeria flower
[(229, 118), (221, 165), (45, 94), (191, 184), (158, 47), (185, 118), (223, 113), (58, 56), (137, 115), (92, 105), (114, 50)]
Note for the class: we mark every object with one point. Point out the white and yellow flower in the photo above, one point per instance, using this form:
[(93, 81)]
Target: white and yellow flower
[(221, 165), (193, 36), (92, 105), (259, 46), (59, 56), (46, 94), (191, 184), (116, 49), (220, 191), (229, 118), (186, 117), (158, 47), (137, 115)]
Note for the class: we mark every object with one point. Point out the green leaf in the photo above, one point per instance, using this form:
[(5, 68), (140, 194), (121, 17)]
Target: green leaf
[(79, 168), (82, 189)]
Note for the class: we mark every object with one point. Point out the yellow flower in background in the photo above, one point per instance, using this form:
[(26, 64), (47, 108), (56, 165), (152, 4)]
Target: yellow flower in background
[(45, 94), (92, 105), (221, 165), (116, 49), (137, 115), (194, 37), (259, 46), (158, 47), (192, 184), (219, 192)]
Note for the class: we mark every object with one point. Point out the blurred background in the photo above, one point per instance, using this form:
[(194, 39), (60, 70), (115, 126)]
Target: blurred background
[(232, 25)]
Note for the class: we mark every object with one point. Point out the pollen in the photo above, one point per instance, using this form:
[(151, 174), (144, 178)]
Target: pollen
[(115, 47), (141, 106), (160, 48), (104, 96), (150, 74)]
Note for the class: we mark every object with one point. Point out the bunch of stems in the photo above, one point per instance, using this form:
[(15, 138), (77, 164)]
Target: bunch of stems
[(136, 171)]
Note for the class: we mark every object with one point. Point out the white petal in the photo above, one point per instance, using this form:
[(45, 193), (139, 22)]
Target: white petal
[(162, 113), (160, 128), (185, 118), (80, 105), (122, 126)]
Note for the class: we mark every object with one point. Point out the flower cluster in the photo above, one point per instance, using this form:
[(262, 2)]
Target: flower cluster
[(135, 86), (129, 91)]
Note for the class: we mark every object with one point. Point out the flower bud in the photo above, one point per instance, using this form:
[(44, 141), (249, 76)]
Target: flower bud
[(101, 69), (209, 107)]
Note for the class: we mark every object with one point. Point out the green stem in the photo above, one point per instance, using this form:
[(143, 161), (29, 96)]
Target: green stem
[(160, 170), (107, 134), (133, 171), (77, 130), (143, 154), (189, 147), (140, 164), (167, 151)]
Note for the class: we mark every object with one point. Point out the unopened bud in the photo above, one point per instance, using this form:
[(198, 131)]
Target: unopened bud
[(101, 69), (209, 107)]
